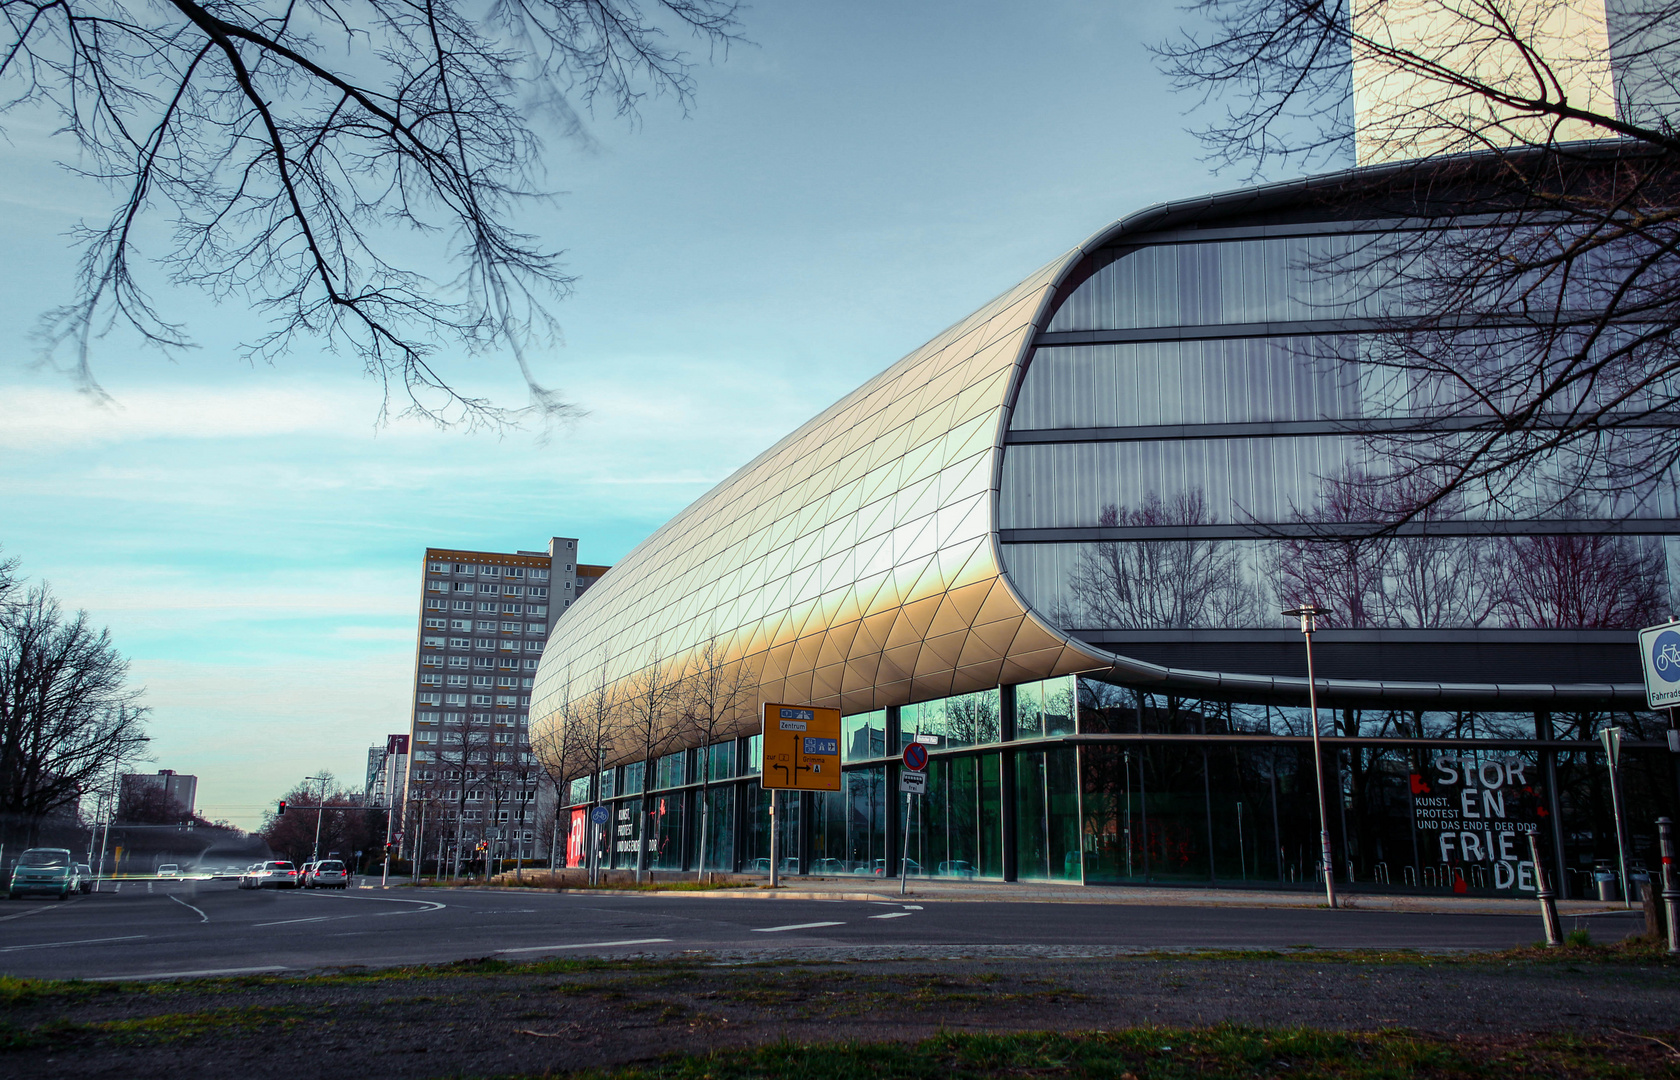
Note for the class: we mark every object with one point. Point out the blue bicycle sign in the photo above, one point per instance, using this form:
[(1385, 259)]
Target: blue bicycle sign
[(1659, 648)]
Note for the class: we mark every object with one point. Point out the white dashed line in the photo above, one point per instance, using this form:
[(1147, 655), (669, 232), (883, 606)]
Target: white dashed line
[(891, 915), (185, 974), (61, 944), (588, 945), (285, 922), (795, 926)]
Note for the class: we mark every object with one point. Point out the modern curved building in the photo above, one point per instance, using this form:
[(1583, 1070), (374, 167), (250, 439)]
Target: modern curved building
[(1053, 544)]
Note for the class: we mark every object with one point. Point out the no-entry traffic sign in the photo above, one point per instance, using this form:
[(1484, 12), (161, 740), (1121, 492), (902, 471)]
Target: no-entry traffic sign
[(915, 757)]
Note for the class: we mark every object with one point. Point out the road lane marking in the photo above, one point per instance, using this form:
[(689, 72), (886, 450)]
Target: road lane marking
[(22, 914), (795, 926), (891, 915), (201, 916), (318, 918), (588, 945), (61, 944), (187, 974), (428, 905)]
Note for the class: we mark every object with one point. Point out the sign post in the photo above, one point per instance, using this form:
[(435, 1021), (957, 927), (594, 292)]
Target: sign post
[(912, 780), (801, 753), (1611, 737)]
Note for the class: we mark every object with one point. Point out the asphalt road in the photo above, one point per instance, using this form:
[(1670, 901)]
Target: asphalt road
[(162, 929)]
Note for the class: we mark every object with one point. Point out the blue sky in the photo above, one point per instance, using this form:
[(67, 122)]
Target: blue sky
[(855, 180)]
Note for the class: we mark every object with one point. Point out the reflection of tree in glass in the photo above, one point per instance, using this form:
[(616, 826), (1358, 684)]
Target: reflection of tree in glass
[(972, 719), (1592, 581), (1159, 584)]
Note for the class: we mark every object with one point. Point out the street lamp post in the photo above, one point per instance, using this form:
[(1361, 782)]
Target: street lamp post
[(320, 811), (111, 812), (1308, 614)]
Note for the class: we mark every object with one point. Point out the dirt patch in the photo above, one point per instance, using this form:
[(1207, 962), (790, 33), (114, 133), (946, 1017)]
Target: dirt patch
[(497, 1019)]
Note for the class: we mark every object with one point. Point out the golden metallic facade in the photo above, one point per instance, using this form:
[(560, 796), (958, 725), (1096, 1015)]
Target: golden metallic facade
[(854, 564)]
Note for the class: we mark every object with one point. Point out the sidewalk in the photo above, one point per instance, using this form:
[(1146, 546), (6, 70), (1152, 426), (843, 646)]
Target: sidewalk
[(1039, 892)]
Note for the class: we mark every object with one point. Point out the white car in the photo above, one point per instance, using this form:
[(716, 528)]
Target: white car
[(169, 869)]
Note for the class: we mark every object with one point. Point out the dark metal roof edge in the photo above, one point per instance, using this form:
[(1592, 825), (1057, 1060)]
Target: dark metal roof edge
[(1349, 691)]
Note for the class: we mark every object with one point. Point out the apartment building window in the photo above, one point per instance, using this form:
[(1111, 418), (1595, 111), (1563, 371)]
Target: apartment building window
[(437, 624), (457, 680), (510, 646), (465, 588), (465, 569), (503, 738), (453, 717), (457, 661), (539, 610), (460, 605), (539, 575), (485, 624), (507, 681), (429, 678), (424, 755), (425, 736), (491, 571), (484, 661), (434, 605), (534, 628), (438, 567), (530, 665), (431, 661), (460, 624), (431, 642), (425, 717), (457, 699), (510, 628), (532, 646), (539, 592), (483, 680), (513, 609), (431, 699), (567, 586), (459, 642), (486, 643), (436, 586), (568, 568), (506, 699), (481, 719), (452, 736), (482, 606), (514, 590), (481, 699), (525, 702)]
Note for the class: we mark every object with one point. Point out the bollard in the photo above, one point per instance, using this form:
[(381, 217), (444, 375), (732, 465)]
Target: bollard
[(1548, 899), (1670, 882)]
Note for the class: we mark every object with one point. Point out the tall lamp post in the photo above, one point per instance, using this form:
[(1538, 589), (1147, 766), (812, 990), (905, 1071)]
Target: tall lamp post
[(111, 812), (1308, 614), (320, 810)]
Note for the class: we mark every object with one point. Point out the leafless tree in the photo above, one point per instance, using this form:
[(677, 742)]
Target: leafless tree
[(716, 695), (648, 724), (298, 151), (67, 712), (1161, 584), (578, 741), (1522, 347)]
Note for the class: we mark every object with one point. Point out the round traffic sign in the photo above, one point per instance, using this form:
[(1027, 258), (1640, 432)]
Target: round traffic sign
[(600, 815), (915, 757)]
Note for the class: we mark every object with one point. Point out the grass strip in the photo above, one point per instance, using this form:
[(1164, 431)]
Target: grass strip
[(1222, 1051)]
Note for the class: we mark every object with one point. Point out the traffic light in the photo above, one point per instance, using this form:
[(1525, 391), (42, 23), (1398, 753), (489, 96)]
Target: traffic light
[(282, 810)]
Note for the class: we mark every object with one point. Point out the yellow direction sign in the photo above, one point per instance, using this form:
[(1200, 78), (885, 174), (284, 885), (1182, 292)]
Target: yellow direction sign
[(801, 748)]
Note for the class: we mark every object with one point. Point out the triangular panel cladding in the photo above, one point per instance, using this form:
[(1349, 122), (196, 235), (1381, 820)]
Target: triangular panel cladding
[(852, 561)]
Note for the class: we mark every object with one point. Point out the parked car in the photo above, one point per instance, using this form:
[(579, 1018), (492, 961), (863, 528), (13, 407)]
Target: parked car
[(303, 874), (882, 871), (48, 870), (85, 872), (955, 868), (169, 869), (273, 874), (326, 874), (828, 866)]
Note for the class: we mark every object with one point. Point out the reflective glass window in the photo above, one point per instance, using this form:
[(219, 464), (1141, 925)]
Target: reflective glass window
[(634, 775), (864, 735), (1577, 581)]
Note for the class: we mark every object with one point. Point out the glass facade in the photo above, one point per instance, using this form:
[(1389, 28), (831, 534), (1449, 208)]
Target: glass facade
[(1052, 546)]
